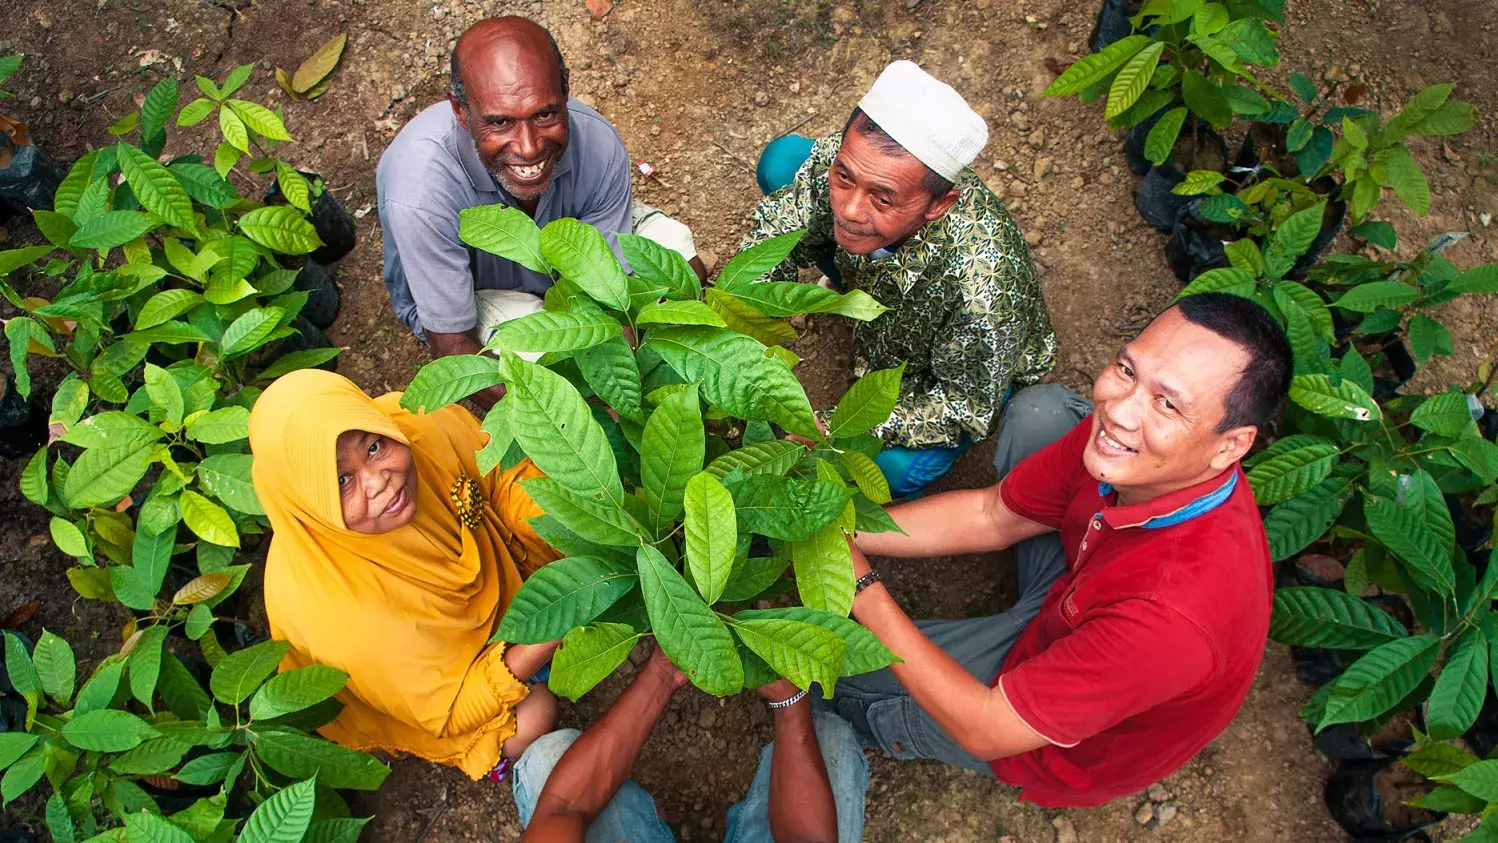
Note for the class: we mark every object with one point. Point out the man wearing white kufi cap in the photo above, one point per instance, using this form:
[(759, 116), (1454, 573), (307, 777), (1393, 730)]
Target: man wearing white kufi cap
[(891, 207)]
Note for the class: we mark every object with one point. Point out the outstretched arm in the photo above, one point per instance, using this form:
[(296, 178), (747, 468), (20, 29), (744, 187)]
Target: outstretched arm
[(597, 765), (951, 524), (802, 809)]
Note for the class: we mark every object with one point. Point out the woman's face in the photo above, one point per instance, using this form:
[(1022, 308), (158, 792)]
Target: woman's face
[(376, 482)]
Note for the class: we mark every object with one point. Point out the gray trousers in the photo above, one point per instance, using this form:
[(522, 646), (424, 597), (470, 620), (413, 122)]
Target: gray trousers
[(881, 711)]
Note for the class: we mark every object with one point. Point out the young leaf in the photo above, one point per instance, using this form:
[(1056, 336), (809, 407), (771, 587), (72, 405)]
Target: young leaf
[(863, 652), (552, 423), (227, 477), (1292, 473), (1421, 538), (56, 669), (146, 827), (611, 370), (1092, 69), (105, 474), (504, 231), (1346, 400), (1162, 136), (680, 313), (1445, 414), (208, 520), (1132, 78), (155, 186), (754, 262), (688, 631), (238, 675), (659, 265), (1365, 298), (786, 509), (98, 691), (107, 730), (1291, 240), (220, 427), (593, 520), (1206, 100), (1377, 682), (711, 528), (867, 474), (824, 571), (736, 376), (671, 452), (284, 817), (1460, 688), (1428, 338), (295, 754), (580, 253), (112, 228), (588, 655), (281, 229), (547, 331), (250, 331), (165, 394), (295, 690), (34, 478), (744, 318), (562, 595), (801, 652), (1479, 779), (1323, 617), (774, 457), (1407, 179)]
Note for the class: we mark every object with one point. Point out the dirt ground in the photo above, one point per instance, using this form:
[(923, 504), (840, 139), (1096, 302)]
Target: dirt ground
[(697, 87)]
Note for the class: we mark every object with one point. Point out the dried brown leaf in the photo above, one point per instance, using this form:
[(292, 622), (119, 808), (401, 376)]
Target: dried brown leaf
[(320, 65), (1354, 93), (19, 615)]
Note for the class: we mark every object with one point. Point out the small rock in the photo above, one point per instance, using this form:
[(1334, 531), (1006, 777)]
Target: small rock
[(1020, 121), (795, 87), (708, 717), (1037, 140), (1000, 164), (1017, 187), (761, 99), (64, 96), (709, 258), (1042, 167), (1145, 813), (1158, 793), (1065, 832), (1165, 813), (1079, 182), (1033, 237), (43, 19), (1484, 218), (1106, 178)]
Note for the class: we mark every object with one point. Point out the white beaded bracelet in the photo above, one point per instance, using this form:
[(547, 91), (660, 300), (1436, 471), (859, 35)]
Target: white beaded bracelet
[(789, 701)]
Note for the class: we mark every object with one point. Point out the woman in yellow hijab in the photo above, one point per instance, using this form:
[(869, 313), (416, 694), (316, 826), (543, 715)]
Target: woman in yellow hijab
[(392, 559)]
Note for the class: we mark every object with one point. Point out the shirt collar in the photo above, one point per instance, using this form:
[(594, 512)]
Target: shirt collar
[(484, 182), (1175, 508)]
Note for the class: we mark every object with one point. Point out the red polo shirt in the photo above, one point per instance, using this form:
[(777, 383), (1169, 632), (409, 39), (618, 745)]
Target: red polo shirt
[(1145, 649)]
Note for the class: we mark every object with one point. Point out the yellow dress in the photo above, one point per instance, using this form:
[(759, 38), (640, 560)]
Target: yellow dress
[(408, 613)]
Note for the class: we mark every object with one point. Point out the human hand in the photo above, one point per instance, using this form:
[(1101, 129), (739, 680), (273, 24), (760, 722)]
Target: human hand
[(817, 417), (778, 691), (660, 667)]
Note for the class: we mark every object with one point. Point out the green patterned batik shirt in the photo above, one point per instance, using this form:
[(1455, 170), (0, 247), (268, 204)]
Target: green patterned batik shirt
[(967, 313)]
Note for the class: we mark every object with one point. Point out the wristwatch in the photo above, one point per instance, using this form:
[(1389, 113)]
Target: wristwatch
[(865, 581)]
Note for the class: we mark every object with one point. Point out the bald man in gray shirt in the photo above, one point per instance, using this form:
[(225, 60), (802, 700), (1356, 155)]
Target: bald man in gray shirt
[(508, 134)]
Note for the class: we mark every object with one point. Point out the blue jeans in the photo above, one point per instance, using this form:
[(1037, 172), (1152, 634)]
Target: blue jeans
[(631, 815)]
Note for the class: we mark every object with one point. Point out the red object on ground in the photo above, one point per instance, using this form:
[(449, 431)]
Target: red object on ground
[(1145, 650)]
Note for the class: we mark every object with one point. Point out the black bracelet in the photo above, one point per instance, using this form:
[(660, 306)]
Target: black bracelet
[(865, 581)]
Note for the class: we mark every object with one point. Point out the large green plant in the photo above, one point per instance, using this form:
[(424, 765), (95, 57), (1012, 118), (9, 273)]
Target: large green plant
[(175, 287), (673, 504), (1186, 58), (242, 743), (1370, 476)]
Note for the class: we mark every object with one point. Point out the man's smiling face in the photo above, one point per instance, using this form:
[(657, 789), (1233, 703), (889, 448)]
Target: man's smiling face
[(1157, 408)]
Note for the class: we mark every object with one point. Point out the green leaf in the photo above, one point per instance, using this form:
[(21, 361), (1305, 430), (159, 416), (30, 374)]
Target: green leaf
[(1162, 136), (679, 313), (689, 633), (250, 331), (1479, 779), (294, 187), (13, 745), (548, 331), (296, 754), (1291, 240), (284, 817), (281, 229), (239, 674), (145, 827), (208, 520), (869, 477), (1378, 680), (144, 662), (1422, 538), (194, 112), (1428, 337), (580, 253), (504, 231), (58, 229), (98, 692), (34, 478), (225, 156), (166, 306), (1478, 279), (1460, 688), (220, 427), (112, 429), (1246, 102), (1292, 473), (790, 510), (308, 359), (1346, 400), (1324, 617), (295, 690), (105, 474), (774, 457), (659, 265), (151, 758), (1223, 280), (560, 596), (1251, 40), (1365, 298), (1450, 799), (450, 379), (1090, 70), (260, 119), (1132, 78), (165, 394), (801, 652), (154, 185), (742, 317), (69, 539), (754, 262), (1445, 414), (22, 775), (592, 519), (863, 653), (1206, 99), (611, 371), (711, 528), (867, 403), (107, 730), (227, 477), (1407, 179), (671, 451), (736, 376), (56, 670), (824, 570), (111, 229), (1294, 524), (588, 655), (1438, 759), (554, 426)]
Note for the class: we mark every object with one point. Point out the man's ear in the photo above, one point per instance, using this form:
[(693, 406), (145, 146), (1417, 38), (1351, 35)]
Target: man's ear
[(1233, 446), (941, 205), (460, 110)]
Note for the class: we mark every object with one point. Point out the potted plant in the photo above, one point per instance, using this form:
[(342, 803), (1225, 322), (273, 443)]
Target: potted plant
[(27, 176)]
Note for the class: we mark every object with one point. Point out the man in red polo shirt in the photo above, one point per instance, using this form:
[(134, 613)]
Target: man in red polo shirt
[(1145, 579)]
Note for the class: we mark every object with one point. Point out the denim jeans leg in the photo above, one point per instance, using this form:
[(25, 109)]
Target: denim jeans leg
[(847, 772), (630, 815)]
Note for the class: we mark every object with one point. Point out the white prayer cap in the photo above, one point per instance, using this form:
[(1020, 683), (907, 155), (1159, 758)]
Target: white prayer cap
[(927, 117)]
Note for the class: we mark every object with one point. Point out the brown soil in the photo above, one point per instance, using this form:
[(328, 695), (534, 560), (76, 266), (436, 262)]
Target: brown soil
[(681, 79)]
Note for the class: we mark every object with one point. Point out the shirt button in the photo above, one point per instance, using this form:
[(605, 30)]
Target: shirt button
[(1084, 544), (1097, 524)]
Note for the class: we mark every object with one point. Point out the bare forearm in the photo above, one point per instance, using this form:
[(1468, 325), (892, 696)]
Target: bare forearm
[(524, 660), (948, 524), (801, 804), (452, 345)]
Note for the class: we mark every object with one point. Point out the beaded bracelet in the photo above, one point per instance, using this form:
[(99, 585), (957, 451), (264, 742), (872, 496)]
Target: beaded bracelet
[(789, 701)]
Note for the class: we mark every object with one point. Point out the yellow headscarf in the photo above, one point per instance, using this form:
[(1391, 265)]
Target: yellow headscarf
[(408, 613)]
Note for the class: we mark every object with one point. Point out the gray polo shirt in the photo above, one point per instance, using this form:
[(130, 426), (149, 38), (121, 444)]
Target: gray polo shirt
[(431, 171)]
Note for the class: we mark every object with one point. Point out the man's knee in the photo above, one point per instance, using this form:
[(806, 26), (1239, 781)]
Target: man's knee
[(1042, 411), (839, 743), (779, 162), (535, 766)]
